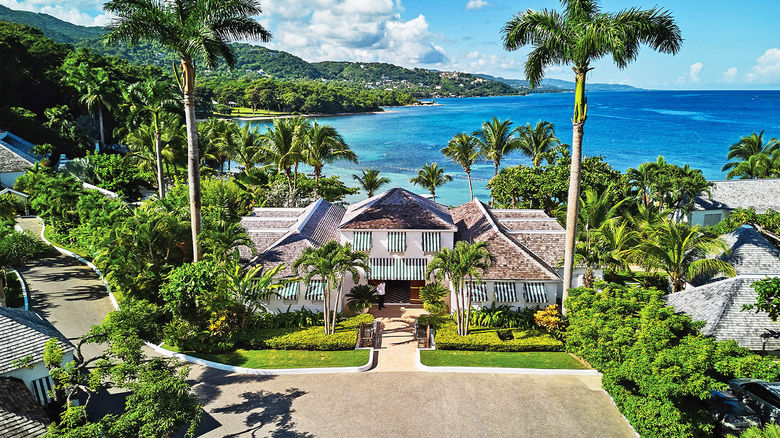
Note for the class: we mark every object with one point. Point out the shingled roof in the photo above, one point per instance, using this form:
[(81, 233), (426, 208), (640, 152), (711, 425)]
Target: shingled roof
[(21, 416), (751, 253), (540, 233), (397, 209), (10, 161), (24, 333), (315, 226), (719, 305), (761, 194), (513, 260)]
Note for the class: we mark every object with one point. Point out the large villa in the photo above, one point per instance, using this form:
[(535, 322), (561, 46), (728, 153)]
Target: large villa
[(401, 231)]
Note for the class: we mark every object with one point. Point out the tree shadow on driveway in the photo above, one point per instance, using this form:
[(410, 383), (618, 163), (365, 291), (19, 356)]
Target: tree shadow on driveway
[(266, 408)]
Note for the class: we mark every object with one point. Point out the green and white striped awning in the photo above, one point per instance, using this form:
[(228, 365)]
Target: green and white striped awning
[(396, 241), (362, 241), (315, 290), (534, 293), (431, 242), (477, 289), (289, 291), (505, 292), (397, 269)]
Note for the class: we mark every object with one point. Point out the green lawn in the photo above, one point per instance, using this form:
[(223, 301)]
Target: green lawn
[(284, 358), (54, 238), (500, 359)]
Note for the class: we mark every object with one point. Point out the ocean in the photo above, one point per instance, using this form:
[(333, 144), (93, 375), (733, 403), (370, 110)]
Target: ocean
[(626, 128)]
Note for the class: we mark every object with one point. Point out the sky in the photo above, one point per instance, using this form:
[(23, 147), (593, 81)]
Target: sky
[(728, 45)]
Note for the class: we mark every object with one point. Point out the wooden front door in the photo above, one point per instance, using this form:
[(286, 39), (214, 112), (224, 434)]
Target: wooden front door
[(414, 291)]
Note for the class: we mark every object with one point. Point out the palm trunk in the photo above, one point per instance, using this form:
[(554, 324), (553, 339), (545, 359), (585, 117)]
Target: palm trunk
[(158, 156), (193, 162), (100, 122), (295, 177), (336, 308), (433, 195), (468, 308), (2, 288), (471, 191), (317, 172), (496, 163), (572, 207)]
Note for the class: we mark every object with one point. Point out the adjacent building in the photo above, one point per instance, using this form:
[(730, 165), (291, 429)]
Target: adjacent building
[(401, 231), (727, 196), (16, 157)]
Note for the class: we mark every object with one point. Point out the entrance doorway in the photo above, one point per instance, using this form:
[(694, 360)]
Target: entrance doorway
[(396, 291)]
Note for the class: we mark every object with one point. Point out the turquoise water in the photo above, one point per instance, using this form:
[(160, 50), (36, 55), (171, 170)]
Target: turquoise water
[(627, 128)]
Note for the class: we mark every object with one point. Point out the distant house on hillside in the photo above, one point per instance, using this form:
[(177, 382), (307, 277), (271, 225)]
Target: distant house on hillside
[(726, 196), (16, 157), (718, 301), (23, 336)]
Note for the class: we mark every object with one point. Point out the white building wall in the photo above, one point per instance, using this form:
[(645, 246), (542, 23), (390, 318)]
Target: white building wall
[(38, 371), (699, 217), (551, 289)]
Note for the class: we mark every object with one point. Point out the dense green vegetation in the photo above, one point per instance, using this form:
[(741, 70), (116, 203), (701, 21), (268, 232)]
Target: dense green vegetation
[(751, 158), (498, 359)]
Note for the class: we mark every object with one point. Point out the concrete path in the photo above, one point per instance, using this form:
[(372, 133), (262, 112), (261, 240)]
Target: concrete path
[(398, 350), (65, 291)]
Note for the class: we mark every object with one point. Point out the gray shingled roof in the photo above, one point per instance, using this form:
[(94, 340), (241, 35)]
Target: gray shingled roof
[(751, 253), (397, 209), (20, 414), (10, 161), (719, 305), (24, 333), (761, 194)]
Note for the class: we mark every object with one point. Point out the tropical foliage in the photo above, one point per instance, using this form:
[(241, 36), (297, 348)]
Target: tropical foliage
[(431, 177), (370, 181), (750, 157)]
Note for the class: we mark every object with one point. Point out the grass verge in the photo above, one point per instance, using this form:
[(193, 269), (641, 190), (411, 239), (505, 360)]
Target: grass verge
[(56, 239), (500, 359), (276, 359)]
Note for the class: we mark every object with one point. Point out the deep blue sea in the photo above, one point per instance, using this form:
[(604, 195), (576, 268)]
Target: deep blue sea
[(627, 128)]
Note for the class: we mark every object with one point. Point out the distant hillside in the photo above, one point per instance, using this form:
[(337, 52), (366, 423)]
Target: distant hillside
[(560, 84), (54, 28)]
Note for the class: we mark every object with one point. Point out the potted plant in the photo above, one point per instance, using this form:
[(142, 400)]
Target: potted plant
[(361, 297)]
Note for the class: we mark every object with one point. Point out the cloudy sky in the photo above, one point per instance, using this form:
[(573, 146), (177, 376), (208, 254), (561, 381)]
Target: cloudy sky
[(727, 44)]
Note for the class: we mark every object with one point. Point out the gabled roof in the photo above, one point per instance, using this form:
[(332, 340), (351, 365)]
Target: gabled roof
[(719, 305), (13, 192), (513, 260), (397, 209), (541, 234), (761, 194), (20, 414), (11, 161), (751, 253), (24, 333)]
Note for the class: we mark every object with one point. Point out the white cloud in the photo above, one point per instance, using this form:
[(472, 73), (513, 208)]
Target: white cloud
[(693, 74), (474, 5), (730, 75), (81, 12), (767, 68)]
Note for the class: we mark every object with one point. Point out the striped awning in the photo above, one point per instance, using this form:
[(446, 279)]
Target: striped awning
[(315, 290), (431, 242), (396, 241), (288, 291), (478, 290), (505, 292), (534, 293), (362, 241), (397, 269)]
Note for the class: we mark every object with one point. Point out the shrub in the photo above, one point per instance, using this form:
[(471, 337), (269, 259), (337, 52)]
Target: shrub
[(432, 295), (360, 297), (447, 338), (300, 318), (312, 338), (503, 316), (550, 319)]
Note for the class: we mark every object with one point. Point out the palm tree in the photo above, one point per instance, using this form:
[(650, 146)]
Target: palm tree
[(282, 146), (464, 150), (536, 141), (680, 250), (331, 262), (142, 144), (749, 146), (370, 181), (467, 261), (642, 179), (95, 88), (323, 144), (755, 166), (154, 98), (248, 142), (431, 176), (192, 29), (495, 139), (251, 285), (579, 35)]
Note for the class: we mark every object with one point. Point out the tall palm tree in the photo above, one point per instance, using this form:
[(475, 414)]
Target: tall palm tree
[(431, 177), (142, 144), (192, 29), (322, 145), (152, 98), (248, 142), (370, 181), (749, 146), (331, 262), (579, 35), (681, 250), (466, 261), (95, 88), (496, 140), (282, 146), (642, 179), (464, 150), (536, 141)]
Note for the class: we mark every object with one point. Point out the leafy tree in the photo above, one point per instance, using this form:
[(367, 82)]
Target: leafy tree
[(496, 140), (578, 36), (768, 291), (323, 144), (466, 261), (431, 177), (16, 249), (251, 285), (464, 150), (370, 181), (182, 28), (537, 141)]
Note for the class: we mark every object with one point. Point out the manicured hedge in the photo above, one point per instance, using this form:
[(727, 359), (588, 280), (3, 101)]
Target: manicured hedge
[(480, 339), (312, 338)]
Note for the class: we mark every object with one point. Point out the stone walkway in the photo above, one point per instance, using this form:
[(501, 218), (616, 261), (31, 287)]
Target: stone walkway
[(398, 350)]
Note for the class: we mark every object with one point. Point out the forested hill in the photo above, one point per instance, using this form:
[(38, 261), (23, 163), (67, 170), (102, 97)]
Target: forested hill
[(255, 61), (558, 84)]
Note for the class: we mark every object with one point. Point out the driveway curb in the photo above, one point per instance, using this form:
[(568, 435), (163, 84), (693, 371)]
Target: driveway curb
[(25, 293), (493, 370)]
